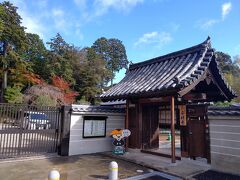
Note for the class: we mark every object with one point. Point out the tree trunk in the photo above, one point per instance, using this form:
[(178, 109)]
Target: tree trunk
[(4, 82), (4, 78)]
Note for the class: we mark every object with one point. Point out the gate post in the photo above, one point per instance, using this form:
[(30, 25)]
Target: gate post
[(65, 130)]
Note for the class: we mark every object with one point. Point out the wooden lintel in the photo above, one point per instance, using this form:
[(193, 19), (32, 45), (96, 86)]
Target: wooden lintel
[(195, 96), (154, 100)]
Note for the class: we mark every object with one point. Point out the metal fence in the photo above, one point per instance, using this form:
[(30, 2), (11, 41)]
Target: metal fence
[(28, 130)]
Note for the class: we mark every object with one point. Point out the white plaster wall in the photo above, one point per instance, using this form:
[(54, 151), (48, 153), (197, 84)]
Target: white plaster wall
[(225, 143), (80, 145)]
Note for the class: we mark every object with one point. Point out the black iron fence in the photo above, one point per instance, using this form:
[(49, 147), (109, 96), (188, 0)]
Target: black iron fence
[(28, 130)]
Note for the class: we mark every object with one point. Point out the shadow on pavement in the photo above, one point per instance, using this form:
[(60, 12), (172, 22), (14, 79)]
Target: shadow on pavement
[(214, 175)]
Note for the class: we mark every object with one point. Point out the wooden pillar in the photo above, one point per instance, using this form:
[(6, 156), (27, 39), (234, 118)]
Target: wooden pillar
[(127, 121), (173, 149), (140, 125), (65, 130)]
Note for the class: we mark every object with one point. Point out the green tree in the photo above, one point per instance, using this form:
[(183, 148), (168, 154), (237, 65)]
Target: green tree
[(231, 71), (89, 71), (226, 64), (13, 41), (36, 54), (60, 59), (114, 54)]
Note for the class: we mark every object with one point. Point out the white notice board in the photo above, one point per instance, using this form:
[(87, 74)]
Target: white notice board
[(94, 127)]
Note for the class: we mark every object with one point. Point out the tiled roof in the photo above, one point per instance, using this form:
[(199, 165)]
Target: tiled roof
[(167, 74), (114, 102), (220, 111), (97, 109)]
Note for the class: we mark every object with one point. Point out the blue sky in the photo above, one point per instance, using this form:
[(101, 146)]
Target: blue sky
[(148, 28)]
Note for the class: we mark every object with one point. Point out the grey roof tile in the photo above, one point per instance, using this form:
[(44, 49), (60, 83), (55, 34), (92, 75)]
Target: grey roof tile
[(221, 111), (102, 109), (173, 71)]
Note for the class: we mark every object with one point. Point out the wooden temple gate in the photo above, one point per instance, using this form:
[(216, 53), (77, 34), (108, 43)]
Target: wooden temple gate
[(184, 81)]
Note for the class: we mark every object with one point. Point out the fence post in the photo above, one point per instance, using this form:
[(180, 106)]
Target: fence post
[(65, 130)]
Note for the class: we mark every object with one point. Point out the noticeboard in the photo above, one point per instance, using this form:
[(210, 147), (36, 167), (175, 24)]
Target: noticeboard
[(94, 126)]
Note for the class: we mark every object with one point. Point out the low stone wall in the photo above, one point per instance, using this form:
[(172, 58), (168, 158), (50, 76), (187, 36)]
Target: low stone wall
[(224, 124)]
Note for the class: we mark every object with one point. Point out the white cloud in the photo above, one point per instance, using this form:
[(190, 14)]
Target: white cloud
[(32, 22), (158, 39), (209, 23), (57, 12), (60, 21), (102, 6), (33, 25), (226, 8), (81, 3), (42, 3)]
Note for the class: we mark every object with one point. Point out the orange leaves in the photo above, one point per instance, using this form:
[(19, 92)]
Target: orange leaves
[(60, 83), (33, 78), (69, 95)]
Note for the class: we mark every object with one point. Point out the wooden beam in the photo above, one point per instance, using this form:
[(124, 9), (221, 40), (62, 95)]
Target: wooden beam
[(153, 100), (195, 96), (127, 121), (173, 149)]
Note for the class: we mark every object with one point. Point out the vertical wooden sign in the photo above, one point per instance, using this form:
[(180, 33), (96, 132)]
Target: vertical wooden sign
[(182, 113)]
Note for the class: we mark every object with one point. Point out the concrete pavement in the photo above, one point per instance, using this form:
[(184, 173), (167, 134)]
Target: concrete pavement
[(185, 168), (82, 167)]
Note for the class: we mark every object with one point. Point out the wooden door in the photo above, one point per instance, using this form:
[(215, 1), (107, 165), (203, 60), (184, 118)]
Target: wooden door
[(197, 138), (150, 123), (134, 128)]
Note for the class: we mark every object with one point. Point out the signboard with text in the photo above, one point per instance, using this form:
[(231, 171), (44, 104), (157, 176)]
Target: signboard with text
[(182, 114)]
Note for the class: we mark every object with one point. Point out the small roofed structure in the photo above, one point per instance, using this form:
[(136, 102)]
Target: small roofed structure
[(162, 100), (175, 73)]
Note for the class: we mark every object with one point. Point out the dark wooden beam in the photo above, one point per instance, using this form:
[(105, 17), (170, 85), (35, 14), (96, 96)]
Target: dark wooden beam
[(173, 149), (154, 100), (195, 96), (127, 121)]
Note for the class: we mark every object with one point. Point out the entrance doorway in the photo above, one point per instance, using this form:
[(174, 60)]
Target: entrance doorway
[(156, 125), (198, 132)]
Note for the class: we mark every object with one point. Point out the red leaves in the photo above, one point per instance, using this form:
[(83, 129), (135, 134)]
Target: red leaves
[(60, 83), (69, 95)]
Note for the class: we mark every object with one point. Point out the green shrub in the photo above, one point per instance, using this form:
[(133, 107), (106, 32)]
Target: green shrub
[(45, 100), (13, 94)]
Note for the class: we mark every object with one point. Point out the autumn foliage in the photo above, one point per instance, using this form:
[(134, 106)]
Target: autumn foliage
[(33, 78), (64, 87)]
